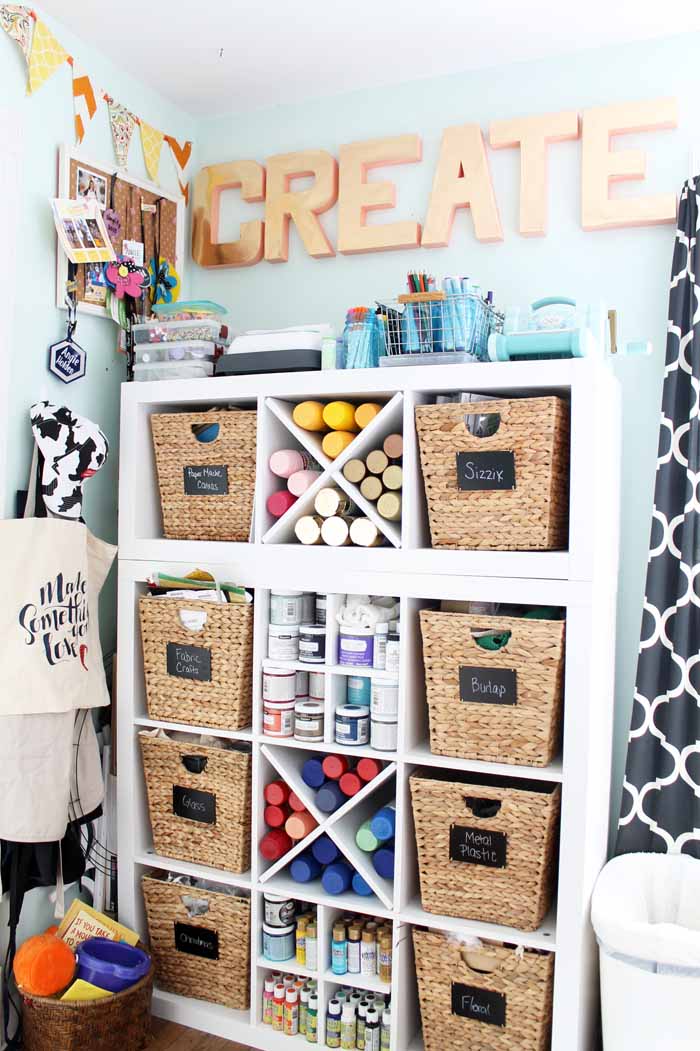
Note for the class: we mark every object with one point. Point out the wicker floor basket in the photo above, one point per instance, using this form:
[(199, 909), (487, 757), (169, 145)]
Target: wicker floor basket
[(118, 1023), (224, 511), (200, 942), (531, 516), (494, 999), (221, 695), (500, 706), (486, 846), (213, 785)]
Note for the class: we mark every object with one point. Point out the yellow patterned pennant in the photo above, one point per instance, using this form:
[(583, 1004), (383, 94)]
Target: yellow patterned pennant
[(45, 58), (152, 143)]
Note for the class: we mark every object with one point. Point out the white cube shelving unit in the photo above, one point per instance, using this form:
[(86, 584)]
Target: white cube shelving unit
[(582, 579)]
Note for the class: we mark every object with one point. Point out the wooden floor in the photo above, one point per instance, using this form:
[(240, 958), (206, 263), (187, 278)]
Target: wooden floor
[(170, 1037)]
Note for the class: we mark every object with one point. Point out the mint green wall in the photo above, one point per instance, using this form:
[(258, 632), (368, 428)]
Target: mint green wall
[(47, 120), (627, 268)]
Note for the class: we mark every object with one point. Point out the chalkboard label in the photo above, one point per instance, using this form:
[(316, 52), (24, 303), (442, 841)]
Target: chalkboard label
[(481, 1005), (476, 846), (206, 481), (488, 685), (487, 470), (188, 662), (194, 805), (197, 941)]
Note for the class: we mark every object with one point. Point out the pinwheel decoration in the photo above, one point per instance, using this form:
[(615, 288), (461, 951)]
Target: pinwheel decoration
[(126, 278), (165, 281)]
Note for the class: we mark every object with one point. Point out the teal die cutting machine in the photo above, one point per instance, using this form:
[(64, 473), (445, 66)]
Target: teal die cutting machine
[(556, 327)]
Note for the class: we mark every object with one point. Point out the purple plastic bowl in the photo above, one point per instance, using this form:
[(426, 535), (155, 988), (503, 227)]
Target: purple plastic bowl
[(111, 965)]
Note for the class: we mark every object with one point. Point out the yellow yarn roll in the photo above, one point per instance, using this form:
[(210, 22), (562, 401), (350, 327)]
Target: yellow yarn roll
[(309, 416), (335, 441), (364, 414), (340, 416)]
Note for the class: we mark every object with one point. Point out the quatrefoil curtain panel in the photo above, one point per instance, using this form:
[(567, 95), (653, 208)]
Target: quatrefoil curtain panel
[(660, 809)]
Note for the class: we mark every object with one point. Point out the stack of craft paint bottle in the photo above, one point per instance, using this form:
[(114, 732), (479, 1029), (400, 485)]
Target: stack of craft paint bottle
[(287, 820), (358, 1019), (376, 837), (290, 1005)]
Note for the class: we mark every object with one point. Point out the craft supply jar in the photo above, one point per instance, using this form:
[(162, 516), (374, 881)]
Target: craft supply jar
[(356, 646), (317, 685), (359, 690), (351, 724), (308, 608), (279, 943), (286, 607), (301, 684), (308, 720), (384, 733), (278, 718), (321, 607), (279, 910), (279, 682), (312, 643), (283, 642), (393, 649), (384, 696)]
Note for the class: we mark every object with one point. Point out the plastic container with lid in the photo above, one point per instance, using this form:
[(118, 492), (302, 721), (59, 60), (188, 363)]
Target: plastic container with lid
[(146, 372), (209, 330), (351, 724), (356, 646), (278, 682), (384, 696), (308, 721), (279, 910), (385, 733), (278, 718), (279, 943), (286, 607), (283, 642), (312, 643), (111, 965)]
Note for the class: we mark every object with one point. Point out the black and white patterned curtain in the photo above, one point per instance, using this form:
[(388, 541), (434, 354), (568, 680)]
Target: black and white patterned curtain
[(661, 796)]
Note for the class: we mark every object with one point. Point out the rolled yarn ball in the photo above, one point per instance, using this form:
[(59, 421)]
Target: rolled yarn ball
[(44, 965)]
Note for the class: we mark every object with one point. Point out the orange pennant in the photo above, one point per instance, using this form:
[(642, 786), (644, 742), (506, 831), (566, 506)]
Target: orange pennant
[(185, 191), (84, 103), (180, 153)]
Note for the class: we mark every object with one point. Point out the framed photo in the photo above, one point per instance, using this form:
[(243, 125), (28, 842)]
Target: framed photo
[(148, 214)]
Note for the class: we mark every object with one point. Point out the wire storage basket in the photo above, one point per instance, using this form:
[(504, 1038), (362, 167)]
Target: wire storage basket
[(434, 327)]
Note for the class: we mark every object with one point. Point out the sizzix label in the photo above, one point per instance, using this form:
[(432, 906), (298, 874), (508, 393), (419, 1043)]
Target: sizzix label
[(488, 685), (197, 941), (194, 805), (476, 846), (206, 481), (481, 1005), (487, 470)]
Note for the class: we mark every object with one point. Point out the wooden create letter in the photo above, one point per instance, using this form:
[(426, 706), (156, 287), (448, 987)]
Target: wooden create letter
[(533, 135), (462, 180), (357, 196), (302, 206), (206, 249), (600, 165)]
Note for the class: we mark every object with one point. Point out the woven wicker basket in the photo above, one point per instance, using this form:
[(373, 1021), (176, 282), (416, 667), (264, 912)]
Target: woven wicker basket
[(222, 842), (497, 979), (526, 732), (513, 831), (225, 701), (116, 1023), (217, 516), (533, 515), (213, 965)]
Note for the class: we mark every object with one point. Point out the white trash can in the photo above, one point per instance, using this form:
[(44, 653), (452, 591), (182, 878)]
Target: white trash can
[(646, 915)]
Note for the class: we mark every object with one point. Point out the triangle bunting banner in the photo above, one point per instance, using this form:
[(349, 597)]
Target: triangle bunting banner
[(152, 143), (84, 102)]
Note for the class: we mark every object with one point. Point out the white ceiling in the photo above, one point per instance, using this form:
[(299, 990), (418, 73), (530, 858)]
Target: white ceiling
[(282, 51)]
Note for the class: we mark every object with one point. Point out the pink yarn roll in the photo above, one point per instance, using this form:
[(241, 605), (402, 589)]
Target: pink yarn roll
[(280, 502), (286, 462)]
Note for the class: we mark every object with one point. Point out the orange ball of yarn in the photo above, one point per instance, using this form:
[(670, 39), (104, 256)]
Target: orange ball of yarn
[(44, 965)]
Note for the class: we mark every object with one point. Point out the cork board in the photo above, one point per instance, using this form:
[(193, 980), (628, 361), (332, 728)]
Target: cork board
[(111, 188)]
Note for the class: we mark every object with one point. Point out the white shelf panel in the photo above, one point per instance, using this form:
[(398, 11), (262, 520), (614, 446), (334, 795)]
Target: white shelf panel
[(287, 967), (359, 981), (314, 892), (329, 747), (188, 868), (543, 938), (200, 1014), (158, 724), (421, 755)]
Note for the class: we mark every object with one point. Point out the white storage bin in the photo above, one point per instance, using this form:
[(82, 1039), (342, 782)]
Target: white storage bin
[(646, 915), (208, 329), (190, 350), (173, 370)]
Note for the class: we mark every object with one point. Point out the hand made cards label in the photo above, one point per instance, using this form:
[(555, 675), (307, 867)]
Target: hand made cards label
[(197, 941), (475, 846), (188, 662), (482, 1005), (206, 481), (194, 805), (487, 470), (488, 685)]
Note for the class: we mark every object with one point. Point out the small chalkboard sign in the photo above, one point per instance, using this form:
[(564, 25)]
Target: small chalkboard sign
[(194, 805), (476, 846), (208, 480), (488, 685), (487, 470), (188, 662), (197, 941), (481, 1005)]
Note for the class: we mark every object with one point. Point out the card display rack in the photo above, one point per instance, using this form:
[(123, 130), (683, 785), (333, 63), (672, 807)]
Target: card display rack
[(582, 580)]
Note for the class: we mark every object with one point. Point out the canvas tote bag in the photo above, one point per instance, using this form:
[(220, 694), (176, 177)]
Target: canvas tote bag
[(51, 575)]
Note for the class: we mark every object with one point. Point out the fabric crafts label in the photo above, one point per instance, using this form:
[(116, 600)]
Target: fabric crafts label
[(58, 620), (487, 470), (197, 941), (206, 481), (488, 685), (194, 805), (476, 846), (188, 662), (481, 1005)]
